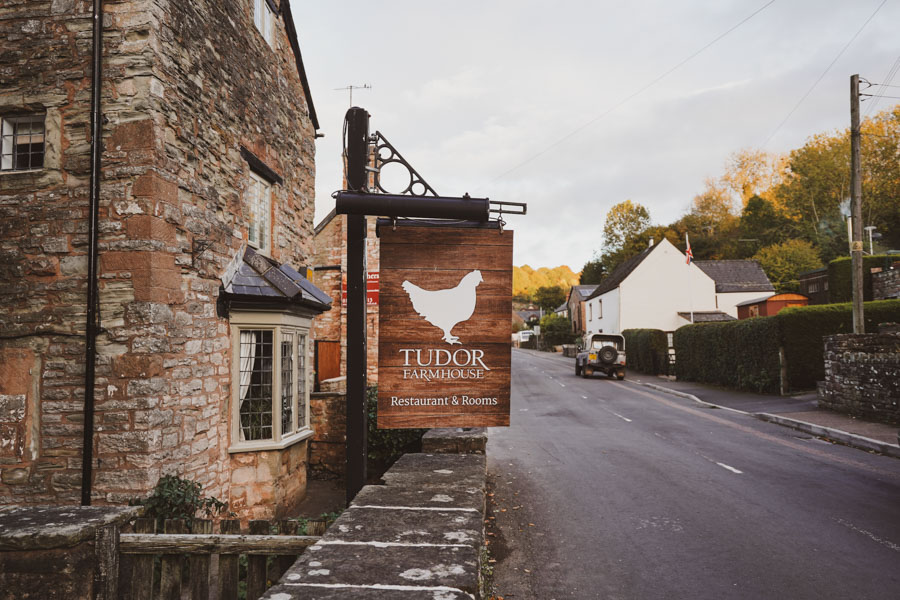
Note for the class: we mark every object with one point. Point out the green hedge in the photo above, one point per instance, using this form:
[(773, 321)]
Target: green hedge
[(736, 354), (840, 286), (745, 354), (802, 330), (647, 351)]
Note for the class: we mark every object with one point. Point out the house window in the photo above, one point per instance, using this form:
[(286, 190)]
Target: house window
[(259, 199), (271, 395), (264, 19), (599, 309), (22, 143), (590, 312), (812, 287)]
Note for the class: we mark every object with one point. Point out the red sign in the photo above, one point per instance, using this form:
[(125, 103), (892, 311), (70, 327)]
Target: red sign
[(372, 289)]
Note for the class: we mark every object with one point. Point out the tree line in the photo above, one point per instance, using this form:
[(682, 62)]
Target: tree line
[(786, 211)]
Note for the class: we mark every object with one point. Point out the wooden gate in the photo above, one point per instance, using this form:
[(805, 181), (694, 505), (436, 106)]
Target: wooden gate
[(328, 361)]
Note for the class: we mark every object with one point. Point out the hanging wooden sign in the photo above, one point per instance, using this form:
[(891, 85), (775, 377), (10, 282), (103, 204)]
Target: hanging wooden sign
[(444, 327)]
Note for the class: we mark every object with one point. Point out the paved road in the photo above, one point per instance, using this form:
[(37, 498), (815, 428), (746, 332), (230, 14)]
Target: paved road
[(606, 489)]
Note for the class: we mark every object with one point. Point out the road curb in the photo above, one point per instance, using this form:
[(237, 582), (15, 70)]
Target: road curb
[(835, 435), (828, 433), (689, 397)]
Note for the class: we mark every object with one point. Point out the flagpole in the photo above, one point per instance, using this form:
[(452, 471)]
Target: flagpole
[(690, 255)]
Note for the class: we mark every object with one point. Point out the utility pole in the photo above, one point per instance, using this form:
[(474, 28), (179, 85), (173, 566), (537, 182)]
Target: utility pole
[(856, 246), (357, 145)]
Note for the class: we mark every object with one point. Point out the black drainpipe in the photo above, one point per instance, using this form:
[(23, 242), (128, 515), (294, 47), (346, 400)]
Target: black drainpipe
[(90, 346)]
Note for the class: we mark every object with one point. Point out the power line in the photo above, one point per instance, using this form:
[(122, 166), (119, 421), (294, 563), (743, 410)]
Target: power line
[(822, 76), (876, 96), (887, 83), (630, 97)]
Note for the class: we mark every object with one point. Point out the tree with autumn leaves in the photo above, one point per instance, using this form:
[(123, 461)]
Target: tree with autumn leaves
[(787, 212)]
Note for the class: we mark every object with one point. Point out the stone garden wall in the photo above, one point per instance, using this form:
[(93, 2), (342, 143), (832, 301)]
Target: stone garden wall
[(862, 376)]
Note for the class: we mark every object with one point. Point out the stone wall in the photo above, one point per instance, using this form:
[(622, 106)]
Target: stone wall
[(186, 86), (886, 284), (328, 447), (330, 252), (60, 553), (862, 376)]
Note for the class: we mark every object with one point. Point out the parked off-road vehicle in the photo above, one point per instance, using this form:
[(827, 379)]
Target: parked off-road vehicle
[(604, 353)]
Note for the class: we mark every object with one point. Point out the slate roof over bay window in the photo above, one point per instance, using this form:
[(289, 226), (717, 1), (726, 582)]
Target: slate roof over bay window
[(256, 277)]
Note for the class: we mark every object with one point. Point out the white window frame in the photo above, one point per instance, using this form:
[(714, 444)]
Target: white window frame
[(264, 19), (599, 309), (590, 312), (259, 200), (279, 323), (9, 135)]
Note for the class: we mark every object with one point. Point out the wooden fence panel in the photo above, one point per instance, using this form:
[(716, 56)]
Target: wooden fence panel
[(283, 562), (228, 565), (172, 565), (256, 564), (142, 569), (199, 563)]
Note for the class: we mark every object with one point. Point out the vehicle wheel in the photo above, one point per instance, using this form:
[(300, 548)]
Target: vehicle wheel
[(620, 376), (586, 372), (577, 369), (608, 354)]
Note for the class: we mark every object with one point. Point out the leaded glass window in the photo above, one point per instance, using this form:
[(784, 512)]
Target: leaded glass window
[(270, 390), (22, 143)]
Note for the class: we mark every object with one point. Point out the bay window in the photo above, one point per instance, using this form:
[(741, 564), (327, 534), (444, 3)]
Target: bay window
[(270, 382)]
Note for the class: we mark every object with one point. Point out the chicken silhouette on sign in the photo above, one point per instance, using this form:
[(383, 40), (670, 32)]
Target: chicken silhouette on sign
[(445, 308)]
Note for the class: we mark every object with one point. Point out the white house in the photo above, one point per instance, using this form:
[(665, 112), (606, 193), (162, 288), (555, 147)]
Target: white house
[(657, 289)]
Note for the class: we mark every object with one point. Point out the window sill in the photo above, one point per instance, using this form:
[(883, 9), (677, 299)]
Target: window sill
[(21, 171), (262, 445)]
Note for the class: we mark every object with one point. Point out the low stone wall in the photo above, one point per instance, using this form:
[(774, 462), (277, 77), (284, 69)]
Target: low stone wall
[(862, 376), (328, 446), (63, 552), (418, 536), (455, 440), (886, 284)]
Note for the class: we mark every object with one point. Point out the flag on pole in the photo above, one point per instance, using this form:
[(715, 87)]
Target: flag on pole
[(688, 253)]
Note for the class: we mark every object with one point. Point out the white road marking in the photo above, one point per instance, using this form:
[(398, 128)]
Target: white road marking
[(870, 535), (627, 420), (732, 469), (584, 397), (561, 384)]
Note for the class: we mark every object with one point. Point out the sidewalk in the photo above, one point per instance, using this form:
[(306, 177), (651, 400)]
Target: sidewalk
[(800, 412)]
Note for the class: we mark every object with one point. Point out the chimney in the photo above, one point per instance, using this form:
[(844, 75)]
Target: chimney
[(651, 243)]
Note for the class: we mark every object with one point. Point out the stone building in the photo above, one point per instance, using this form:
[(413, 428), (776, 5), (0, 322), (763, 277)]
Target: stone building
[(205, 234), (330, 274)]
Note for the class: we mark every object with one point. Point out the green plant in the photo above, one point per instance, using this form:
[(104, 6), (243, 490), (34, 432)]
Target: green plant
[(387, 445), (328, 517), (840, 286), (177, 498), (801, 331), (747, 354), (556, 330)]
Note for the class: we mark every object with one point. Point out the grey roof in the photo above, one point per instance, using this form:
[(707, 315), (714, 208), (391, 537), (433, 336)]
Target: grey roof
[(529, 313), (707, 316), (736, 275), (561, 308), (621, 272), (754, 301), (583, 291), (258, 276)]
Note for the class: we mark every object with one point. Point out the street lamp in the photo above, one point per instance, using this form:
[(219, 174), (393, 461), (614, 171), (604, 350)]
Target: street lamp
[(869, 230)]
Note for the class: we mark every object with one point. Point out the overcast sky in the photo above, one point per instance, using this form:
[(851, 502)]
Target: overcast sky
[(535, 102)]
